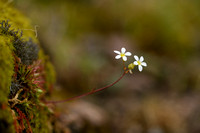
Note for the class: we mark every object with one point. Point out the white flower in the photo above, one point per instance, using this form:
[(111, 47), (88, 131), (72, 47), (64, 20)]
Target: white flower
[(139, 62), (122, 54)]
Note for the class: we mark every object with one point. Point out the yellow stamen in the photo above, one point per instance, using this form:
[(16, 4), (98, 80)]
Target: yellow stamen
[(122, 55), (139, 63)]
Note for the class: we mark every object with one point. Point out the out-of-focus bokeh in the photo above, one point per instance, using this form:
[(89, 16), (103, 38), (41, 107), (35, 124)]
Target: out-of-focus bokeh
[(80, 36)]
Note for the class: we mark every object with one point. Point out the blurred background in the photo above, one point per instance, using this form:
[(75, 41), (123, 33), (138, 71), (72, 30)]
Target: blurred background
[(80, 35)]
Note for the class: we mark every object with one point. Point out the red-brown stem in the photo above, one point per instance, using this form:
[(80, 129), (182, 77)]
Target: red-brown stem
[(124, 65), (88, 93)]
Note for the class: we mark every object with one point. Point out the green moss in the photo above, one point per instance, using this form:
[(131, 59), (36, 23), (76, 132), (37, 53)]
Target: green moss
[(6, 66), (39, 125), (6, 72), (26, 76), (50, 74), (49, 71), (17, 21), (6, 121), (27, 51)]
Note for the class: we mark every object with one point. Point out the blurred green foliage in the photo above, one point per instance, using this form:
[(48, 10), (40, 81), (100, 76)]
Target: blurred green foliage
[(80, 36), (167, 30)]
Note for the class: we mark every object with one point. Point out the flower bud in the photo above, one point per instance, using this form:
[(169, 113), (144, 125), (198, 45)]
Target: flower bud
[(131, 66)]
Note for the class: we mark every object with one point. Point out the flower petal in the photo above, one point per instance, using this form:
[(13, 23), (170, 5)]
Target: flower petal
[(136, 57), (124, 58), (128, 53), (117, 57), (140, 68), (123, 50), (141, 58), (135, 63), (117, 52), (144, 64)]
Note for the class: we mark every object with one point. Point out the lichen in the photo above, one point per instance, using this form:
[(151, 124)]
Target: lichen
[(27, 51), (26, 76)]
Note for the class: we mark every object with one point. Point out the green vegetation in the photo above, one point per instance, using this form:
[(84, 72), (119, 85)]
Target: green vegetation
[(26, 76)]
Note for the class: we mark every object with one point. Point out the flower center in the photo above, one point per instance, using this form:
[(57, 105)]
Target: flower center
[(122, 55), (139, 63)]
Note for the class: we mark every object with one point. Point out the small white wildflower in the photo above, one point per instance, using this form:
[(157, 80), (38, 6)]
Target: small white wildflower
[(139, 62), (122, 54)]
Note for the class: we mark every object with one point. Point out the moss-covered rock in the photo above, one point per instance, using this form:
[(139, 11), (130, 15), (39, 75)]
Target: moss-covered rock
[(6, 72), (26, 75)]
